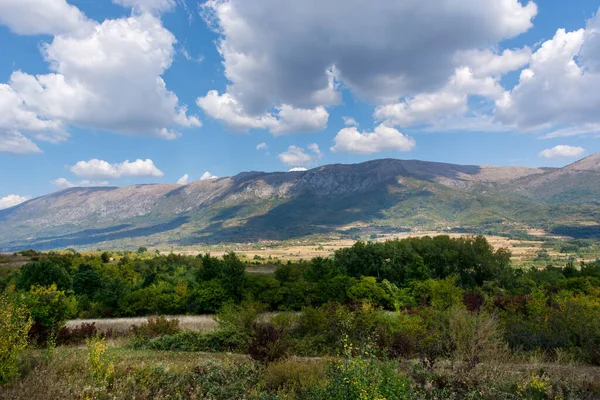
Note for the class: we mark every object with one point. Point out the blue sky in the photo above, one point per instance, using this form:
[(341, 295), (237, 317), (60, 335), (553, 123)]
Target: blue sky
[(82, 99)]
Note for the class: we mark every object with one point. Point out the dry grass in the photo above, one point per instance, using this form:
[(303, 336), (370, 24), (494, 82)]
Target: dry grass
[(522, 250), (121, 326)]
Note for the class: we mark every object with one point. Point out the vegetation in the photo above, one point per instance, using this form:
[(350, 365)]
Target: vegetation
[(419, 318)]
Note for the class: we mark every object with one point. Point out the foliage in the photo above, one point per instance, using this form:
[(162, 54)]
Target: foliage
[(43, 273), (49, 308), (80, 333), (268, 344), (363, 377), (155, 327), (15, 323)]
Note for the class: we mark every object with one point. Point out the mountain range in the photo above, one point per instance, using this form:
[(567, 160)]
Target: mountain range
[(384, 195)]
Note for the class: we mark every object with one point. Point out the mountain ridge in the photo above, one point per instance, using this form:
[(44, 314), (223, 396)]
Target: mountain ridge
[(388, 193)]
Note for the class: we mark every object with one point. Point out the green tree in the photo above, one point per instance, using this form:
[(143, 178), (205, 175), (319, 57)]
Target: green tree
[(43, 273), (86, 281), (233, 275), (15, 323), (49, 308), (105, 257)]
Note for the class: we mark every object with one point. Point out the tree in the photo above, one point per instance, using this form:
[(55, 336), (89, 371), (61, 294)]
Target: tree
[(43, 273), (86, 281), (142, 250), (49, 308), (105, 257), (233, 275), (15, 323)]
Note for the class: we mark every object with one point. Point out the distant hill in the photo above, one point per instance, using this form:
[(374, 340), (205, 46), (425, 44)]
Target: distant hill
[(381, 196)]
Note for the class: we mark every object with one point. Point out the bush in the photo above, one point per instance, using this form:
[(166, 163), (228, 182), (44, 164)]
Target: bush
[(15, 323), (475, 337), (238, 320), (215, 342), (49, 308), (155, 327), (80, 333), (363, 377), (268, 343), (294, 377)]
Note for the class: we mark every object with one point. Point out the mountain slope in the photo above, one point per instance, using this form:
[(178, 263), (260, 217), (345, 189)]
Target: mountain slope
[(391, 194)]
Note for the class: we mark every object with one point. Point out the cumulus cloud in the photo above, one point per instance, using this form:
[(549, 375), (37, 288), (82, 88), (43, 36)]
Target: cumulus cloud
[(450, 101), (383, 138), (208, 176), (227, 109), (15, 143), (562, 151), (16, 121), (105, 76), (12, 200), (183, 180), (262, 146), (560, 90), (297, 169), (380, 50), (349, 121), (63, 183), (297, 156), (100, 169), (45, 17)]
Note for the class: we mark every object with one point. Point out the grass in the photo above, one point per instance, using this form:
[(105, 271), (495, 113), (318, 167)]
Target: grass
[(147, 374), (122, 326)]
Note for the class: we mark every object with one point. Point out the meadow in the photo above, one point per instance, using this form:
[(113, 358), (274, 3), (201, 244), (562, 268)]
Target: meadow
[(440, 317)]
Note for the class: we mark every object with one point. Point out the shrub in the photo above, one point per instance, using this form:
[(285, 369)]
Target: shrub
[(155, 327), (475, 337), (218, 341), (15, 323), (293, 376), (268, 343), (49, 308), (80, 333), (101, 367), (238, 320), (363, 377)]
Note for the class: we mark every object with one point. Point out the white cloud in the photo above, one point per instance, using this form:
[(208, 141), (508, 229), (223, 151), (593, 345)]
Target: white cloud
[(46, 17), (315, 149), (12, 200), (15, 143), (207, 176), (293, 120), (297, 169), (186, 54), (262, 146), (63, 183), (107, 78), (16, 121), (560, 89), (297, 156), (562, 151), (349, 121), (450, 101), (139, 168), (384, 138), (486, 63), (147, 5), (183, 180), (227, 109), (382, 50), (100, 169)]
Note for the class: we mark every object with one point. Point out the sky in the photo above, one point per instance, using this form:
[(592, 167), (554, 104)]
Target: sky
[(121, 92)]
